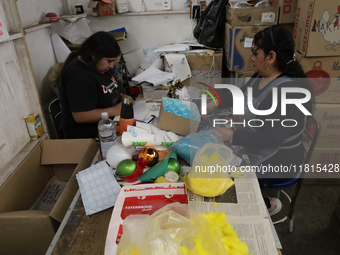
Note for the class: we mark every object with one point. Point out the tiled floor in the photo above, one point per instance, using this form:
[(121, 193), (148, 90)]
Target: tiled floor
[(313, 211)]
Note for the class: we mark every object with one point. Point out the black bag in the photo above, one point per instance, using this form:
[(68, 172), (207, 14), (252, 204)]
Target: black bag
[(209, 30)]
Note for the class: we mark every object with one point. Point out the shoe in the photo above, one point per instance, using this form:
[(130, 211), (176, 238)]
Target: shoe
[(275, 206)]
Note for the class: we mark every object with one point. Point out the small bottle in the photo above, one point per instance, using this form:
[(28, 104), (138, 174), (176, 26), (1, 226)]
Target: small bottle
[(107, 133), (126, 115)]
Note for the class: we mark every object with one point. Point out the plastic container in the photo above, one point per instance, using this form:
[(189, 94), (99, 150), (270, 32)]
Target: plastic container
[(209, 175), (107, 134), (122, 6)]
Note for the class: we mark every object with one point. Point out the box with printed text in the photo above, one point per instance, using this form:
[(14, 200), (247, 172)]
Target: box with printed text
[(287, 10), (237, 47), (324, 75), (317, 28)]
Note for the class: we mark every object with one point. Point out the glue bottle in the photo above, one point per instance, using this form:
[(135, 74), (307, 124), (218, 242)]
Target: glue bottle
[(126, 115)]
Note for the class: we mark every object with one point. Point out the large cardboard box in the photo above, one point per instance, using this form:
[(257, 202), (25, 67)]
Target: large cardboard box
[(203, 66), (324, 74), (317, 28), (178, 124), (287, 10), (324, 167), (25, 231), (328, 116), (240, 78), (254, 16), (237, 47)]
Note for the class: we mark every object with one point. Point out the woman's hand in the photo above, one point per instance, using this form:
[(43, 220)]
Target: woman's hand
[(226, 133)]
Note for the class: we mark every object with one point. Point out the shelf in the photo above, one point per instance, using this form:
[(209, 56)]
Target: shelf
[(13, 36), (36, 27)]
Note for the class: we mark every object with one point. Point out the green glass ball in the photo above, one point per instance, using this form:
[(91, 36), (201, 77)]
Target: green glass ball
[(173, 165), (126, 167)]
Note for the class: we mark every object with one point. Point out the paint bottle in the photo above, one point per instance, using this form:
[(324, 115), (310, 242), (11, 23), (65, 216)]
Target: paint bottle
[(126, 115)]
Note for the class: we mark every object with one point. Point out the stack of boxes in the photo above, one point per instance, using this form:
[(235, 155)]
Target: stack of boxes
[(317, 38), (240, 29)]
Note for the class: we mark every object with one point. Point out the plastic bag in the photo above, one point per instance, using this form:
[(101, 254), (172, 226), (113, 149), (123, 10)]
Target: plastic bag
[(75, 32), (187, 147), (209, 30), (176, 230), (209, 176)]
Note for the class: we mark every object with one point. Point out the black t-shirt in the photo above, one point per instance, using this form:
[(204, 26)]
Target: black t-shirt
[(82, 89)]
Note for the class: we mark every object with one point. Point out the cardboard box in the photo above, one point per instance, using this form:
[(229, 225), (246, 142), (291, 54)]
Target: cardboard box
[(240, 78), (287, 10), (25, 231), (178, 124), (328, 116), (202, 66), (316, 31), (254, 16), (237, 47), (324, 74), (141, 199)]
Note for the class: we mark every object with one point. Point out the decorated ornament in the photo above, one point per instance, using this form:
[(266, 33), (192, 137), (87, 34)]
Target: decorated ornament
[(129, 170), (159, 169), (173, 165), (148, 156), (319, 78)]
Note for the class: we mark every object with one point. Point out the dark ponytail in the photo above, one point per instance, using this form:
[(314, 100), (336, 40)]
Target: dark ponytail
[(279, 39)]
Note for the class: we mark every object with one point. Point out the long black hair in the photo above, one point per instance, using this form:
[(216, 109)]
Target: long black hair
[(278, 39), (97, 46)]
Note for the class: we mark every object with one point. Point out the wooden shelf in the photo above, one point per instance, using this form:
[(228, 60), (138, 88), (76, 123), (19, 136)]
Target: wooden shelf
[(36, 27)]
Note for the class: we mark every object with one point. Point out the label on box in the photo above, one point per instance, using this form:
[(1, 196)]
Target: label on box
[(248, 42), (268, 17)]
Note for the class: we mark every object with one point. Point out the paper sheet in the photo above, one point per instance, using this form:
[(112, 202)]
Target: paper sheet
[(154, 76), (179, 66), (98, 187)]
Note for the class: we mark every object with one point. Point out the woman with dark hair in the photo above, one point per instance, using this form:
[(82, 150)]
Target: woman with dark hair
[(272, 144), (87, 86)]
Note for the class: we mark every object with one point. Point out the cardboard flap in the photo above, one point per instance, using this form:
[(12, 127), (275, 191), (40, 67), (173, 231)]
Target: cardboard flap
[(60, 208), (66, 151)]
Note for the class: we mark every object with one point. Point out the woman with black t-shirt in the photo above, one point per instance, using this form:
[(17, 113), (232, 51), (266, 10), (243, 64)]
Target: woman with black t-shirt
[(270, 143), (87, 86)]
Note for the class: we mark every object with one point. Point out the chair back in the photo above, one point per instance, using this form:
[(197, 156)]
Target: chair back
[(310, 137), (54, 110)]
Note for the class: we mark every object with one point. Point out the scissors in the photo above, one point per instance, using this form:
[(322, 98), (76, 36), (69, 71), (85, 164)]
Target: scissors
[(237, 174)]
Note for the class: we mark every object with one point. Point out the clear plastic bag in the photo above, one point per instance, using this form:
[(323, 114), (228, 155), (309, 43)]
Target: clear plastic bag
[(209, 174), (187, 147), (176, 230)]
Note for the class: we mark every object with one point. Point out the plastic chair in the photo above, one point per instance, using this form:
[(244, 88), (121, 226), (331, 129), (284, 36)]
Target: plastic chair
[(54, 110), (309, 138)]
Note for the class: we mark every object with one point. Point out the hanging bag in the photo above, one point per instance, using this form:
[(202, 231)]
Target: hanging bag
[(209, 30)]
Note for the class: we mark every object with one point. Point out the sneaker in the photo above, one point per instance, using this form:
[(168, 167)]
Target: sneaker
[(275, 206)]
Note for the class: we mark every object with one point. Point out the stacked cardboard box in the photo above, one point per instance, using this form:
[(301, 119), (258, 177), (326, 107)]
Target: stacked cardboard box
[(316, 34), (241, 27)]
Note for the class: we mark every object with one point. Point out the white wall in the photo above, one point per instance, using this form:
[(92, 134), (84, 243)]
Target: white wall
[(142, 30), (147, 29)]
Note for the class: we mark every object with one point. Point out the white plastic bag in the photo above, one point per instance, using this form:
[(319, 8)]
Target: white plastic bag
[(75, 32)]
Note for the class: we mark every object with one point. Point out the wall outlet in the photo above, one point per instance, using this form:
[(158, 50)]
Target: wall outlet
[(196, 12)]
